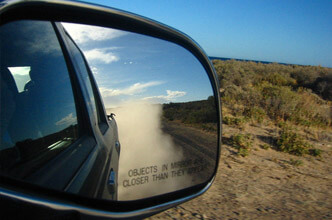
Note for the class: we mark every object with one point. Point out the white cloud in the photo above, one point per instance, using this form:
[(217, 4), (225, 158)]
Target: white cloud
[(94, 69), (100, 55), (48, 44), (41, 40), (174, 94), (131, 90), (84, 33), (171, 96), (68, 120)]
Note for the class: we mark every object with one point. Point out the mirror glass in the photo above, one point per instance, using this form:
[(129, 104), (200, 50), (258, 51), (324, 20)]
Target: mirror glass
[(161, 131)]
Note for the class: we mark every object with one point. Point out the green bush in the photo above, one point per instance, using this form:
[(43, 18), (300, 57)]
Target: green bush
[(229, 120), (280, 102), (279, 79), (265, 146), (243, 152), (256, 113), (243, 143), (291, 142)]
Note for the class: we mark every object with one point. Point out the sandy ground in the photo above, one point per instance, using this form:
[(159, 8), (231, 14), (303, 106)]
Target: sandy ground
[(264, 185)]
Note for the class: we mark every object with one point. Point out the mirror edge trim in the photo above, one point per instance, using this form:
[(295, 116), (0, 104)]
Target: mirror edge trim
[(94, 212)]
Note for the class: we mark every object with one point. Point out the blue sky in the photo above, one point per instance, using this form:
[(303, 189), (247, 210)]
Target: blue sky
[(296, 31), (130, 67)]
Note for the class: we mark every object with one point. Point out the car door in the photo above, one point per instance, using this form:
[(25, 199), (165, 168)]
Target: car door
[(104, 127)]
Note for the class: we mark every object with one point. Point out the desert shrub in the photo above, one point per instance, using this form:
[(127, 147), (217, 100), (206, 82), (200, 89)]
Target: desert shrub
[(296, 162), (313, 109), (291, 142), (256, 113), (243, 143), (232, 72), (323, 87), (279, 101), (304, 76), (239, 100), (265, 146), (230, 120), (317, 78), (243, 152), (315, 152), (279, 79)]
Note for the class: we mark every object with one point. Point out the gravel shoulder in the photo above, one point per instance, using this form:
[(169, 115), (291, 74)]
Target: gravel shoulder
[(264, 185)]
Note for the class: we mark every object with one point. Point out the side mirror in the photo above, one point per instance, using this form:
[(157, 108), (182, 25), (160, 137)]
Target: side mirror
[(111, 116), (68, 68)]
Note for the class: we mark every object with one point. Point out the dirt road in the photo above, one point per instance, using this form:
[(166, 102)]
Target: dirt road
[(264, 185), (196, 146)]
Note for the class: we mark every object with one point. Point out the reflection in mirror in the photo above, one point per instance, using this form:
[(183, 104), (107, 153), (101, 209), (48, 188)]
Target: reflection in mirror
[(164, 106), (38, 113), (162, 138)]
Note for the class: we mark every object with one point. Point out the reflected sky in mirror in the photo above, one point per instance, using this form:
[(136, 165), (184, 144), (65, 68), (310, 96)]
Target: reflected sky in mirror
[(129, 66)]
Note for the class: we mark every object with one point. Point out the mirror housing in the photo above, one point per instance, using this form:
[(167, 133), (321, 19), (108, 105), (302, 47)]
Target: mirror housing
[(24, 193)]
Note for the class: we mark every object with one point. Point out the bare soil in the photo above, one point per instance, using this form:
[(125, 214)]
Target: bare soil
[(264, 185)]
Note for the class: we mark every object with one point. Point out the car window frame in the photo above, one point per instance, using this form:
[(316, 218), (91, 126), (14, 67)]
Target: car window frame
[(83, 182), (101, 113)]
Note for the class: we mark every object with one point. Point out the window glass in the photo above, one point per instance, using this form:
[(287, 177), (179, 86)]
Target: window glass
[(85, 75), (38, 112)]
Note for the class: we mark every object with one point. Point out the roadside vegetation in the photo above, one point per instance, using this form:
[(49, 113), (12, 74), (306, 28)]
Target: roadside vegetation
[(295, 101), (291, 98), (300, 95), (201, 114)]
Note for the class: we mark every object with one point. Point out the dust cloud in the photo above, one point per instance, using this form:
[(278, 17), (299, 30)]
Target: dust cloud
[(144, 149)]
